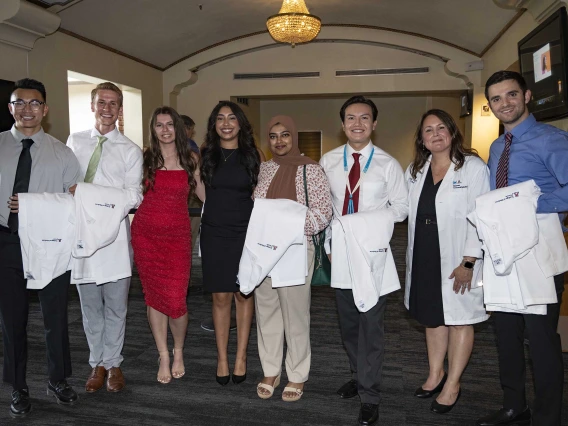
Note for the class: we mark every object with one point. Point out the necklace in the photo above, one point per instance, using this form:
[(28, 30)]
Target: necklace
[(227, 157), (168, 156)]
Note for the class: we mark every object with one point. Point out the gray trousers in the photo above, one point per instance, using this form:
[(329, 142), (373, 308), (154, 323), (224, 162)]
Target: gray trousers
[(104, 310), (363, 335)]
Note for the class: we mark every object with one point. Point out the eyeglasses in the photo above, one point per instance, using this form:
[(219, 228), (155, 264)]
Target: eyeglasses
[(19, 105)]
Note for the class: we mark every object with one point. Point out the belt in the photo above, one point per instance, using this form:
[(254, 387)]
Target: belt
[(6, 230)]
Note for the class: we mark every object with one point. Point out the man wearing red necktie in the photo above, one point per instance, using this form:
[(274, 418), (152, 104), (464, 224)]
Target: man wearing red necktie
[(528, 150), (362, 177)]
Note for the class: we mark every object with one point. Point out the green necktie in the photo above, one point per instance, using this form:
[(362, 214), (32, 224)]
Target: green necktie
[(95, 159)]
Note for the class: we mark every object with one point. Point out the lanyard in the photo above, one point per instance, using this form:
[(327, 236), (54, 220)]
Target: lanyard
[(350, 206)]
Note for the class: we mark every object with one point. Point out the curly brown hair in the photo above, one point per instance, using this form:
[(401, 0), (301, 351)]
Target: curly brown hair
[(153, 159), (458, 151)]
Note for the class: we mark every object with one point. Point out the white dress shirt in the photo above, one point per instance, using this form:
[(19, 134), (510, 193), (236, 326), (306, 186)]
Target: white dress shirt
[(120, 166), (382, 185)]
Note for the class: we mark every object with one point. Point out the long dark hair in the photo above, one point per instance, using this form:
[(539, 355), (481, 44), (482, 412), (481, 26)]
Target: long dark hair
[(211, 150), (153, 159), (458, 151)]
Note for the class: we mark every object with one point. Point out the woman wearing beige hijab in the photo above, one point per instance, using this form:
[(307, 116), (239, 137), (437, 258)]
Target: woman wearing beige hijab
[(285, 312)]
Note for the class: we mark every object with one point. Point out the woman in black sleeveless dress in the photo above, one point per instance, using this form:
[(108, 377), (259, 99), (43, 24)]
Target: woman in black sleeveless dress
[(229, 170)]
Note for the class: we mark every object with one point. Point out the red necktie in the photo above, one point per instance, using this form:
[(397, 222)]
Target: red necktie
[(501, 177), (354, 175)]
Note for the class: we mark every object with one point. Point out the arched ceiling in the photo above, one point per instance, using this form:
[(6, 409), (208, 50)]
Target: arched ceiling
[(161, 33)]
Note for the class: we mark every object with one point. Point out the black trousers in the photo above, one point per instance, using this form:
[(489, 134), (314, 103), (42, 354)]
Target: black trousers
[(14, 316), (363, 336), (546, 354)]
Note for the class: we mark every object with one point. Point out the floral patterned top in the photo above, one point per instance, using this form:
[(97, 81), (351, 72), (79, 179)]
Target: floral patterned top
[(319, 195)]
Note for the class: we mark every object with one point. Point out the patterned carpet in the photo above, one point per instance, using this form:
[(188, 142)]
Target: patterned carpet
[(197, 399)]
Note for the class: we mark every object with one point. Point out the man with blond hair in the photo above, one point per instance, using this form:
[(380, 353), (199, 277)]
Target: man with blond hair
[(107, 158)]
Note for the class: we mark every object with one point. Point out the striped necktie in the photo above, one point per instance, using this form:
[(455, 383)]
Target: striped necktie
[(95, 160), (501, 178)]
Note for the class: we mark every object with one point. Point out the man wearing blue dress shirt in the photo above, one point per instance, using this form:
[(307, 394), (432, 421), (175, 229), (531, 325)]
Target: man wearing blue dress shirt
[(540, 152)]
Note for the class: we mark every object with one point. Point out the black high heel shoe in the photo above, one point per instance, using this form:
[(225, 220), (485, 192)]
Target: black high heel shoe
[(239, 379), (422, 393), (438, 408), (223, 380)]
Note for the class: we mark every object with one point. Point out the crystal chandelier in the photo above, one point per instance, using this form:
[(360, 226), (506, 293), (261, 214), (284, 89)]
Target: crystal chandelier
[(293, 24)]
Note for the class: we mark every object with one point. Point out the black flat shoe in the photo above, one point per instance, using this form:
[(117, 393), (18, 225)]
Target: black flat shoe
[(238, 379), (62, 392), (422, 393), (223, 380), (438, 408), (20, 405), (348, 390)]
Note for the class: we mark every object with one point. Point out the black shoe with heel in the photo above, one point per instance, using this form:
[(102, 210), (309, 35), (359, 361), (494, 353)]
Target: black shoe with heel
[(239, 379), (438, 408), (223, 380), (422, 393)]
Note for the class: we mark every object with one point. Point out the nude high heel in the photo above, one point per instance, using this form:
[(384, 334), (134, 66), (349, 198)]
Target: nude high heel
[(178, 374), (164, 379)]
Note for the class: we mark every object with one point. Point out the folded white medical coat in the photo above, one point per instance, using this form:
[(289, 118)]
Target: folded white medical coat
[(102, 251), (361, 256), (523, 250), (274, 244), (46, 234)]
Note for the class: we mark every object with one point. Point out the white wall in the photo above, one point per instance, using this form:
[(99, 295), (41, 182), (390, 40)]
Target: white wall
[(216, 82), (80, 115), (396, 123), (134, 124)]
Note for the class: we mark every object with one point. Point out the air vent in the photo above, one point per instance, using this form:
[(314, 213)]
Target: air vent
[(384, 71), (243, 101), (271, 75)]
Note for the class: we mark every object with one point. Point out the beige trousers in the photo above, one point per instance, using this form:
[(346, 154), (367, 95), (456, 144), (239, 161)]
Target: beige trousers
[(285, 312)]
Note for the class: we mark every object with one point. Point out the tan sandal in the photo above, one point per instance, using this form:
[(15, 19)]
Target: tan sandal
[(297, 394), (178, 374), (164, 379), (268, 388)]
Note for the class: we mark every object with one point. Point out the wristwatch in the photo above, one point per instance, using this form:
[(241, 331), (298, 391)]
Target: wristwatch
[(467, 264)]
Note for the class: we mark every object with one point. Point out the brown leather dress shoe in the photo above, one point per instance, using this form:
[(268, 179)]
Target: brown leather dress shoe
[(115, 380), (96, 380)]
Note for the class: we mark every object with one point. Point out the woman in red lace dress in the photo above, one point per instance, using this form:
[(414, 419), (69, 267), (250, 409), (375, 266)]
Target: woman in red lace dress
[(161, 235)]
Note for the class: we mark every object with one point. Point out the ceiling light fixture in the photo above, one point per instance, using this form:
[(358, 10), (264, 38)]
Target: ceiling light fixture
[(293, 24)]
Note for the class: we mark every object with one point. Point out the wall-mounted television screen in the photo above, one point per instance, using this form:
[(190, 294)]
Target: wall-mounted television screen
[(543, 60)]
